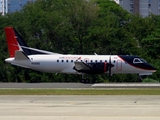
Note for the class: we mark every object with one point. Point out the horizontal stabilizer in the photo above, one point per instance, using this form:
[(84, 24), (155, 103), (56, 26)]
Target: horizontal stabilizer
[(20, 55)]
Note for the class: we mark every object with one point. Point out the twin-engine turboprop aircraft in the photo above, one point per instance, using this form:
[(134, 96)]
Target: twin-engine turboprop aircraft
[(24, 56)]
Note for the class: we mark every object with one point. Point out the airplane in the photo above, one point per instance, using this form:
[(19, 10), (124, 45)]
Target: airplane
[(24, 56)]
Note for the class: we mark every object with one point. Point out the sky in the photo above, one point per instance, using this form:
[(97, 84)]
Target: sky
[(0, 5), (14, 5)]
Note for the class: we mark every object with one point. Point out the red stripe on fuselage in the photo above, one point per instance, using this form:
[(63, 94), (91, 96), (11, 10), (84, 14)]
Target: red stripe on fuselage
[(11, 41), (105, 67)]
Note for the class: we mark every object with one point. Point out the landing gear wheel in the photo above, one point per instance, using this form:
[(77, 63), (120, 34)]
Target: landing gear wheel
[(85, 79)]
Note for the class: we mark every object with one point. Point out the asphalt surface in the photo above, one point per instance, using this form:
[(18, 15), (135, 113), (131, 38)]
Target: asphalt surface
[(76, 85), (82, 107), (45, 85)]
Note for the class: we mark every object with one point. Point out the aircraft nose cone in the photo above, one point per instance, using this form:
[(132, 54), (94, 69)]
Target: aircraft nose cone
[(152, 68)]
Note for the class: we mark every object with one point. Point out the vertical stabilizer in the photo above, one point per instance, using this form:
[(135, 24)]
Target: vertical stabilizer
[(11, 41), (15, 42)]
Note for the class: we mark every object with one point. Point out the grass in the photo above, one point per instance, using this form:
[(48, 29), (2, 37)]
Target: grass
[(155, 91)]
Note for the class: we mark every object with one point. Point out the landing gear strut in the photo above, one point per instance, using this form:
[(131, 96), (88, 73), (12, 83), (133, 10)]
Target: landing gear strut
[(85, 79), (140, 78)]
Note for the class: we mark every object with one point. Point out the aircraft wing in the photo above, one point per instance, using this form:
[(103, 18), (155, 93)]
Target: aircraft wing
[(91, 68), (81, 66)]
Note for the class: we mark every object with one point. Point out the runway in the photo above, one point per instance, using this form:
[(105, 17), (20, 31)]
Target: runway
[(82, 107), (76, 85)]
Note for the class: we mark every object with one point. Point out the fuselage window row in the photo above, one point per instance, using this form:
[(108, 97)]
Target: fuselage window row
[(82, 61)]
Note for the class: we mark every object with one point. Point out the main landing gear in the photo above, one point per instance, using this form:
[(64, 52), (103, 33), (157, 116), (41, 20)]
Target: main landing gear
[(85, 79), (139, 78)]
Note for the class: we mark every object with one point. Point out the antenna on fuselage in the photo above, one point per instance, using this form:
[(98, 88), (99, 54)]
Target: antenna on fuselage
[(95, 53)]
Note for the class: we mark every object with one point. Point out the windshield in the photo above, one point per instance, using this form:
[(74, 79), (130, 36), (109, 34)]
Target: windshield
[(143, 60)]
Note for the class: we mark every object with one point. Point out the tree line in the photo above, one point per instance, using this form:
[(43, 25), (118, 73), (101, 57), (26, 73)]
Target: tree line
[(80, 27)]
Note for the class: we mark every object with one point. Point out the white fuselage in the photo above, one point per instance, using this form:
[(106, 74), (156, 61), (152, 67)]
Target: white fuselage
[(65, 63)]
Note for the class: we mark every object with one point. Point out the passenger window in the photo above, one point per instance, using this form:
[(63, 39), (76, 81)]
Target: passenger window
[(100, 60), (95, 60), (57, 60), (66, 60), (62, 60), (91, 61), (71, 60)]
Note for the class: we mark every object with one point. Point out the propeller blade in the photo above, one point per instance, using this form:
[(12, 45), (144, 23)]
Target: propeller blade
[(110, 65)]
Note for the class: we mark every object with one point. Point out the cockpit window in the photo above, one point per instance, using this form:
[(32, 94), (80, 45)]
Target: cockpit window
[(143, 61), (137, 60)]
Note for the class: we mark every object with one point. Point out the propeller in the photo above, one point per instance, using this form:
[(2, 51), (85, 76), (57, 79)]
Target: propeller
[(110, 65)]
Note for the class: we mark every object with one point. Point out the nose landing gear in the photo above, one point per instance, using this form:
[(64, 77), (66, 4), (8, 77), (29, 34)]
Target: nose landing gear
[(139, 78)]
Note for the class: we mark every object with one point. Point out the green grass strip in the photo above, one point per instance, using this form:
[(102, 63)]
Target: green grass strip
[(80, 92)]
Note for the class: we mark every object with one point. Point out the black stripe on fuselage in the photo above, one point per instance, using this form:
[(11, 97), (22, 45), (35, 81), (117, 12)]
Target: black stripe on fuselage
[(129, 59)]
